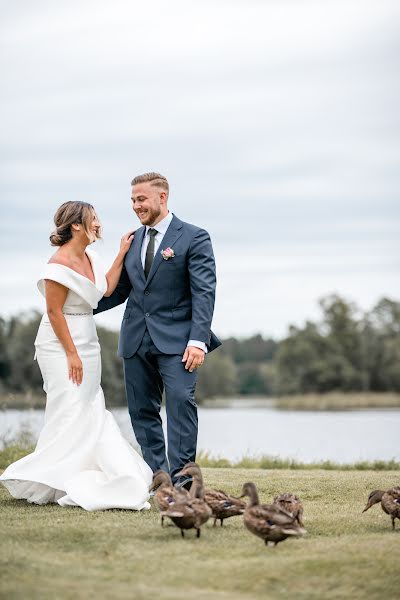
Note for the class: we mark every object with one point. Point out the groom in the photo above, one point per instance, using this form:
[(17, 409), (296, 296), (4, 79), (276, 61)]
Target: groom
[(169, 280)]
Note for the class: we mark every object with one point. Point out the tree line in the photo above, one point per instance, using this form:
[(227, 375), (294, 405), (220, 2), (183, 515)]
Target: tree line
[(348, 350)]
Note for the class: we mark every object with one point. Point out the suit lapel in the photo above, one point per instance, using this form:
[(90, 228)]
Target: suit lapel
[(173, 232)]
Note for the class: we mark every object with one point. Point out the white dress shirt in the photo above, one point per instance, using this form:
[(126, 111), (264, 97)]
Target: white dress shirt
[(161, 229)]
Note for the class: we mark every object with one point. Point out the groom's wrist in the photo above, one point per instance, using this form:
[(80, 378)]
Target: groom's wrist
[(198, 344)]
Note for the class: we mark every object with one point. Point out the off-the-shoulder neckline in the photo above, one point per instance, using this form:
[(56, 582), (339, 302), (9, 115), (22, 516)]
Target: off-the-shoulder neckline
[(80, 274)]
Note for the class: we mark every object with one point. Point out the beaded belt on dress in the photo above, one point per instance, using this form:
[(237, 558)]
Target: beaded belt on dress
[(77, 314)]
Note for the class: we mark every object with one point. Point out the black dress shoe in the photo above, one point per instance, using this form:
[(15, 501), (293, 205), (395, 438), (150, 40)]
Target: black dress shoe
[(184, 482)]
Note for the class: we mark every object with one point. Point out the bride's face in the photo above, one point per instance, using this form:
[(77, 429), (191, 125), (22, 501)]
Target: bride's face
[(90, 232), (94, 229), (149, 203)]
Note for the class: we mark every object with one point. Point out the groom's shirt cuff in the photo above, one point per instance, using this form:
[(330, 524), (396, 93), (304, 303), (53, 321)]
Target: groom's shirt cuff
[(198, 344)]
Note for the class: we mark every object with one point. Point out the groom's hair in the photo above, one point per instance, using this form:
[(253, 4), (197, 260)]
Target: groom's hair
[(154, 179)]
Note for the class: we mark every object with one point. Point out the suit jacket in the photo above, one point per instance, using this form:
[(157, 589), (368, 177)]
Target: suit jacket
[(176, 302)]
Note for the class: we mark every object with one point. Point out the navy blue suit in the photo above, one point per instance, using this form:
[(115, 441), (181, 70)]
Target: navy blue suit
[(173, 305)]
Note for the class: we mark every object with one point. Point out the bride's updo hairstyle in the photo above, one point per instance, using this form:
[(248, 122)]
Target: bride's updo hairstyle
[(73, 213)]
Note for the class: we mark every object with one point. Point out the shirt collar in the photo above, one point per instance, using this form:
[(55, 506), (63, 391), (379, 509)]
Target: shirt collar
[(163, 225)]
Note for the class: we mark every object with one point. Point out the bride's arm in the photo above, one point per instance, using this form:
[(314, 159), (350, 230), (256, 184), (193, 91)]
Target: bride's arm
[(56, 295), (114, 273)]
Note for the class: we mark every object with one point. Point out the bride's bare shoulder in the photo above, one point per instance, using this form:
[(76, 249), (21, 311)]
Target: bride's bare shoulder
[(59, 258)]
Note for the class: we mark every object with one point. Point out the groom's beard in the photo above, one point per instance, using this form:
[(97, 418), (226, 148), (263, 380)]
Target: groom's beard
[(149, 216)]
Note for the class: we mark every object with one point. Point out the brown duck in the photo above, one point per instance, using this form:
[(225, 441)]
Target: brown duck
[(222, 505), (390, 502), (270, 522), (166, 494), (191, 511), (292, 504)]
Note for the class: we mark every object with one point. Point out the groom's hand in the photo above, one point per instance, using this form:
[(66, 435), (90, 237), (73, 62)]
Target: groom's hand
[(193, 357)]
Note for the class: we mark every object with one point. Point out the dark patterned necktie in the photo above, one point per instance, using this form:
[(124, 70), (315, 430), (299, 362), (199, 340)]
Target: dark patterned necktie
[(149, 252)]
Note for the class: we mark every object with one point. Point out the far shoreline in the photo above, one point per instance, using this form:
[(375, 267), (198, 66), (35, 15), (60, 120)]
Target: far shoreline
[(332, 401)]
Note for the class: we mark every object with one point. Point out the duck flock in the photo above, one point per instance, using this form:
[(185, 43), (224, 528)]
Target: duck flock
[(273, 523)]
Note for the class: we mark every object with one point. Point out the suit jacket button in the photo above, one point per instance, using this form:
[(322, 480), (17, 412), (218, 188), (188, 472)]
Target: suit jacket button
[(147, 292), (147, 314)]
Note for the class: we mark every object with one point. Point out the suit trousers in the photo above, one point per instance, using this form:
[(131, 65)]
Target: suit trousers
[(147, 374)]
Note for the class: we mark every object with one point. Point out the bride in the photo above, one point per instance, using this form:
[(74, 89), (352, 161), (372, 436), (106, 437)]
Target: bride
[(81, 457)]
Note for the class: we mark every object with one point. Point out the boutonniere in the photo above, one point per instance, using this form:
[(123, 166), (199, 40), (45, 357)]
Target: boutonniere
[(167, 253)]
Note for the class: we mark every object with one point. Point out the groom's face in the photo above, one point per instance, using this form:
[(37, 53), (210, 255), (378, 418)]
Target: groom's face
[(148, 202)]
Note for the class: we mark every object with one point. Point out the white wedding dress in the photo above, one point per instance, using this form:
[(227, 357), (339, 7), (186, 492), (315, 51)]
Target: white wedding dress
[(81, 458)]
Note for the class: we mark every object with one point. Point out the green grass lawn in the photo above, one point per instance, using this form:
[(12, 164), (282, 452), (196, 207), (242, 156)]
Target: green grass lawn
[(51, 552)]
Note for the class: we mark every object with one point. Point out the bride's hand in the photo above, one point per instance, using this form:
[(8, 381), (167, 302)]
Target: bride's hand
[(126, 242), (75, 368)]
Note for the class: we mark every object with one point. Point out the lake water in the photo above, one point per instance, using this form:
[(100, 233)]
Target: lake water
[(235, 432)]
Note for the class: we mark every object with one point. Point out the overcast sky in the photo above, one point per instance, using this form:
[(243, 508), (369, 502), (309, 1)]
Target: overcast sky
[(276, 123)]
